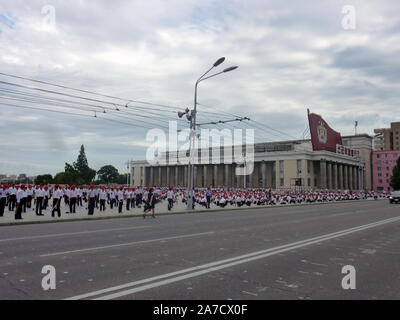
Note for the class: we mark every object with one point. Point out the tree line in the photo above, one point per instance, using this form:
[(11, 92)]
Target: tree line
[(79, 173)]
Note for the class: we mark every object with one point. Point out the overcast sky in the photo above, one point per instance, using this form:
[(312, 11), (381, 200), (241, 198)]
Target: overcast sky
[(291, 55)]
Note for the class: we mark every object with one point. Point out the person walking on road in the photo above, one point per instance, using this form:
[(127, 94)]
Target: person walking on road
[(150, 203)]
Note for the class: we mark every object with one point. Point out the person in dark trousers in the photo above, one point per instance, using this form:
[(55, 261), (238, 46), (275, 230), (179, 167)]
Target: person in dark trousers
[(128, 198), (103, 197), (208, 197), (57, 196), (12, 199), (3, 199), (170, 197), (150, 203), (46, 198), (39, 195), (72, 199), (18, 199), (120, 199), (92, 200)]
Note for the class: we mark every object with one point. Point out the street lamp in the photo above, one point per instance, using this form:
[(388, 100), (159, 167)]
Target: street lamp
[(192, 119)]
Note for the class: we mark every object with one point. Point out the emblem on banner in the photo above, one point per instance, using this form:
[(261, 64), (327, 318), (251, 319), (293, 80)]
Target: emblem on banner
[(322, 132)]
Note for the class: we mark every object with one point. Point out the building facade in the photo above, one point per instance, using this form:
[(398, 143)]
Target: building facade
[(277, 165), (382, 168), (386, 139)]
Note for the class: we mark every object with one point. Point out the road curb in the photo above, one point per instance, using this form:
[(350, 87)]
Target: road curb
[(14, 223)]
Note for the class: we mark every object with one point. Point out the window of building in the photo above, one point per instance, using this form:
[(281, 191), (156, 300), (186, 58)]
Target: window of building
[(387, 168), (378, 156), (378, 162), (308, 166), (298, 166), (380, 181), (309, 182), (281, 166), (379, 168), (282, 182), (379, 174)]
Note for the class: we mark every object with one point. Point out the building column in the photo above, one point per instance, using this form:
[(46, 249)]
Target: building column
[(340, 176), (176, 175), (249, 177), (215, 169), (195, 170), (159, 176), (355, 178), (185, 176), (345, 177), (151, 175), (168, 176), (144, 176), (205, 176), (228, 175), (264, 173), (329, 179), (322, 174), (351, 178), (335, 176)]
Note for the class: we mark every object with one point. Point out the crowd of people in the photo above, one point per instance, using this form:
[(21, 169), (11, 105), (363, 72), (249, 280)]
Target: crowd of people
[(19, 198)]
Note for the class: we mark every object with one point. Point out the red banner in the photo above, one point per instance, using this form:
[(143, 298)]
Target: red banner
[(323, 137)]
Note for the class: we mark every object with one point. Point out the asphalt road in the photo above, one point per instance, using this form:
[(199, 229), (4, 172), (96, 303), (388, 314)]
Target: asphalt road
[(270, 253)]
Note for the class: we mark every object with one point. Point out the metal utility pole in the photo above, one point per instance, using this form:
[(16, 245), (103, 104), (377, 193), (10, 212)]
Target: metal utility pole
[(127, 176), (192, 119)]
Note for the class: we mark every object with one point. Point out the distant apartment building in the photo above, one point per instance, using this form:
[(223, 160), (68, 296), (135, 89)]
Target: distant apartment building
[(386, 139), (382, 168)]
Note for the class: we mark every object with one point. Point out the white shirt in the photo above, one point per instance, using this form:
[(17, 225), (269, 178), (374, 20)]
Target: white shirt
[(57, 194), (20, 195), (102, 195), (72, 194), (39, 193), (120, 195)]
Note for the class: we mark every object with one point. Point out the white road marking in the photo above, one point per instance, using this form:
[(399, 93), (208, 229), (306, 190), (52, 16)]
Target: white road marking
[(72, 233), (222, 264), (126, 244)]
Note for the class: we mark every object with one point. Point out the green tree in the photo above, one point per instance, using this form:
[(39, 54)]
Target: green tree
[(395, 178), (44, 178), (108, 173), (85, 174), (121, 178)]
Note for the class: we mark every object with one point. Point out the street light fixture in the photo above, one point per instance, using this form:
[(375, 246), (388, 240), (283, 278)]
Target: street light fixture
[(192, 137)]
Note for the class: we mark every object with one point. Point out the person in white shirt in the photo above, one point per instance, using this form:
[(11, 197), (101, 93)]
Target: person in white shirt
[(102, 198), (39, 196), (170, 197), (92, 200), (57, 196), (112, 198), (120, 199), (24, 199), (18, 198), (79, 196), (127, 196), (72, 195), (3, 199)]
